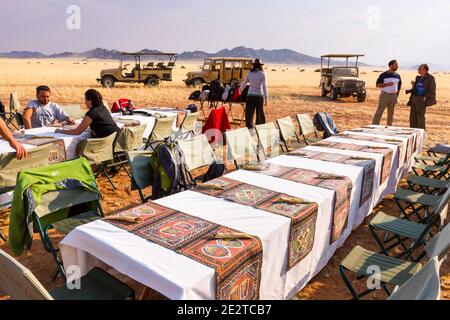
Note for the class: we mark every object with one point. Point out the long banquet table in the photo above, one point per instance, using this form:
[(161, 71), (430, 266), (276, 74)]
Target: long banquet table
[(179, 277)]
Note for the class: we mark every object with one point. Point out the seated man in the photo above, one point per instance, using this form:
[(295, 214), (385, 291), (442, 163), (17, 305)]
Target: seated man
[(41, 112)]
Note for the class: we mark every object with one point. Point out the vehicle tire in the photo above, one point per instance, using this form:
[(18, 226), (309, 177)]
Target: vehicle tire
[(324, 92), (197, 83), (108, 82), (334, 95), (234, 82), (152, 82), (362, 96)]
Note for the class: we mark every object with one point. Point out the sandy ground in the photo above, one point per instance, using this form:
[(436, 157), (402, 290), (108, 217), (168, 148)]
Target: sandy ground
[(291, 91)]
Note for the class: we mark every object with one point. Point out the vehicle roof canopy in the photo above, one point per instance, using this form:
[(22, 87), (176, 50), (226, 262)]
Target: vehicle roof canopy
[(150, 53), (342, 55), (230, 59)]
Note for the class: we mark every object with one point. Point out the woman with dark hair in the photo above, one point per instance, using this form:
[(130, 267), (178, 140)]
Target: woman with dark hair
[(98, 118), (257, 96)]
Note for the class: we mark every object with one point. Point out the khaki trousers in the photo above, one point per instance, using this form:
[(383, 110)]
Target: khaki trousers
[(387, 100), (417, 113)]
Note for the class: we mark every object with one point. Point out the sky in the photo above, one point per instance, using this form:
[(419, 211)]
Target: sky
[(412, 31)]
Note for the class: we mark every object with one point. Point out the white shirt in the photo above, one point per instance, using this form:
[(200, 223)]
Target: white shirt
[(258, 84)]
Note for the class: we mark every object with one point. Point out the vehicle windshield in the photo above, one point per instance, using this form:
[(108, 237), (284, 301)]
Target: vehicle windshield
[(207, 66), (352, 72)]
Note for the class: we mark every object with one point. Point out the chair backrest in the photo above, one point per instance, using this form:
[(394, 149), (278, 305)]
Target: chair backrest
[(98, 150), (129, 138), (268, 137), (197, 152), (241, 147), (439, 244), (62, 199), (10, 166), (14, 103), (162, 129), (441, 207), (287, 129), (140, 162), (18, 282), (306, 124), (74, 111), (424, 285), (19, 119), (189, 122)]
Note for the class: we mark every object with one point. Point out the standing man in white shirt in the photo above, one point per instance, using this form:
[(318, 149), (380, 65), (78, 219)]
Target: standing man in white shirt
[(42, 112), (390, 83)]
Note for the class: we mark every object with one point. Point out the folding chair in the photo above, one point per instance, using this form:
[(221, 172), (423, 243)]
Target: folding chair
[(435, 171), (128, 139), (424, 285), (391, 271), (74, 111), (161, 130), (197, 153), (141, 176), (14, 107), (307, 128), (289, 135), (188, 126), (421, 205), (269, 139), (435, 160), (241, 147), (20, 284), (99, 152), (427, 185)]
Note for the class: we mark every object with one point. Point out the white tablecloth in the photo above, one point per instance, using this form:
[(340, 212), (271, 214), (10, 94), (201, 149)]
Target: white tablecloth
[(178, 277)]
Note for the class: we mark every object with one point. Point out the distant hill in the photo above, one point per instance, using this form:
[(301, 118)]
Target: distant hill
[(281, 56)]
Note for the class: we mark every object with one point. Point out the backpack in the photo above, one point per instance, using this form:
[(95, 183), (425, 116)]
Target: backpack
[(217, 90), (324, 122), (215, 170), (169, 171), (240, 97), (192, 108), (195, 95), (226, 93), (204, 96), (123, 105)]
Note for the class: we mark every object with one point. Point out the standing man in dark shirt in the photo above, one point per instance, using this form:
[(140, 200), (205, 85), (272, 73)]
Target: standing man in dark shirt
[(390, 83), (423, 96)]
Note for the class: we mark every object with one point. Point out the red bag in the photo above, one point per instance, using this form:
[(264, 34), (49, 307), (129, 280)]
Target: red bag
[(236, 93), (122, 105)]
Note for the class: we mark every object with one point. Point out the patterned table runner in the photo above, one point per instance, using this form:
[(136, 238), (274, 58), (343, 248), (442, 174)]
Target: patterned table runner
[(303, 214), (411, 146), (366, 163), (237, 262), (341, 185), (387, 153), (396, 142), (57, 152), (403, 132)]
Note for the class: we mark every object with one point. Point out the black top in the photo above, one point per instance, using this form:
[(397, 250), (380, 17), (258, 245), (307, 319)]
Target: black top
[(102, 124)]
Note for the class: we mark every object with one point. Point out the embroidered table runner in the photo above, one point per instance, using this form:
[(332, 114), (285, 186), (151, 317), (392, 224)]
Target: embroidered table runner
[(396, 142), (367, 164), (385, 151), (341, 185), (237, 262), (403, 131), (303, 214), (57, 152)]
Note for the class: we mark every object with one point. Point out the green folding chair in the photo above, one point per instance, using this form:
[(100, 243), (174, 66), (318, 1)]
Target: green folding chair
[(161, 130), (421, 205), (427, 185), (141, 176), (241, 148), (128, 139), (435, 160), (393, 232), (433, 171), (197, 153), (269, 140), (391, 271), (74, 111), (424, 285), (20, 284), (100, 152), (64, 210), (289, 135), (307, 129)]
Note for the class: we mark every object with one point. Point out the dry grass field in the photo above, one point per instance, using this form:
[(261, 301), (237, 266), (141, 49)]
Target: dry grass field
[(292, 89)]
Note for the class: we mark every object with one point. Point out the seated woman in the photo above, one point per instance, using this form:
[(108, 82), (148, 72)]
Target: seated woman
[(98, 118)]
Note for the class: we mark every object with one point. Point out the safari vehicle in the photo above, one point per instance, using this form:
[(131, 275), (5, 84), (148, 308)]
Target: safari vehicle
[(140, 67), (342, 81), (228, 70)]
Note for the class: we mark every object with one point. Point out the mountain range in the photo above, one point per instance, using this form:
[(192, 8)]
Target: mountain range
[(282, 56)]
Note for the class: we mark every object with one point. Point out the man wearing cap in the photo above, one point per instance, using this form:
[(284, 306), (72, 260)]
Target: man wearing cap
[(257, 96), (390, 83)]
